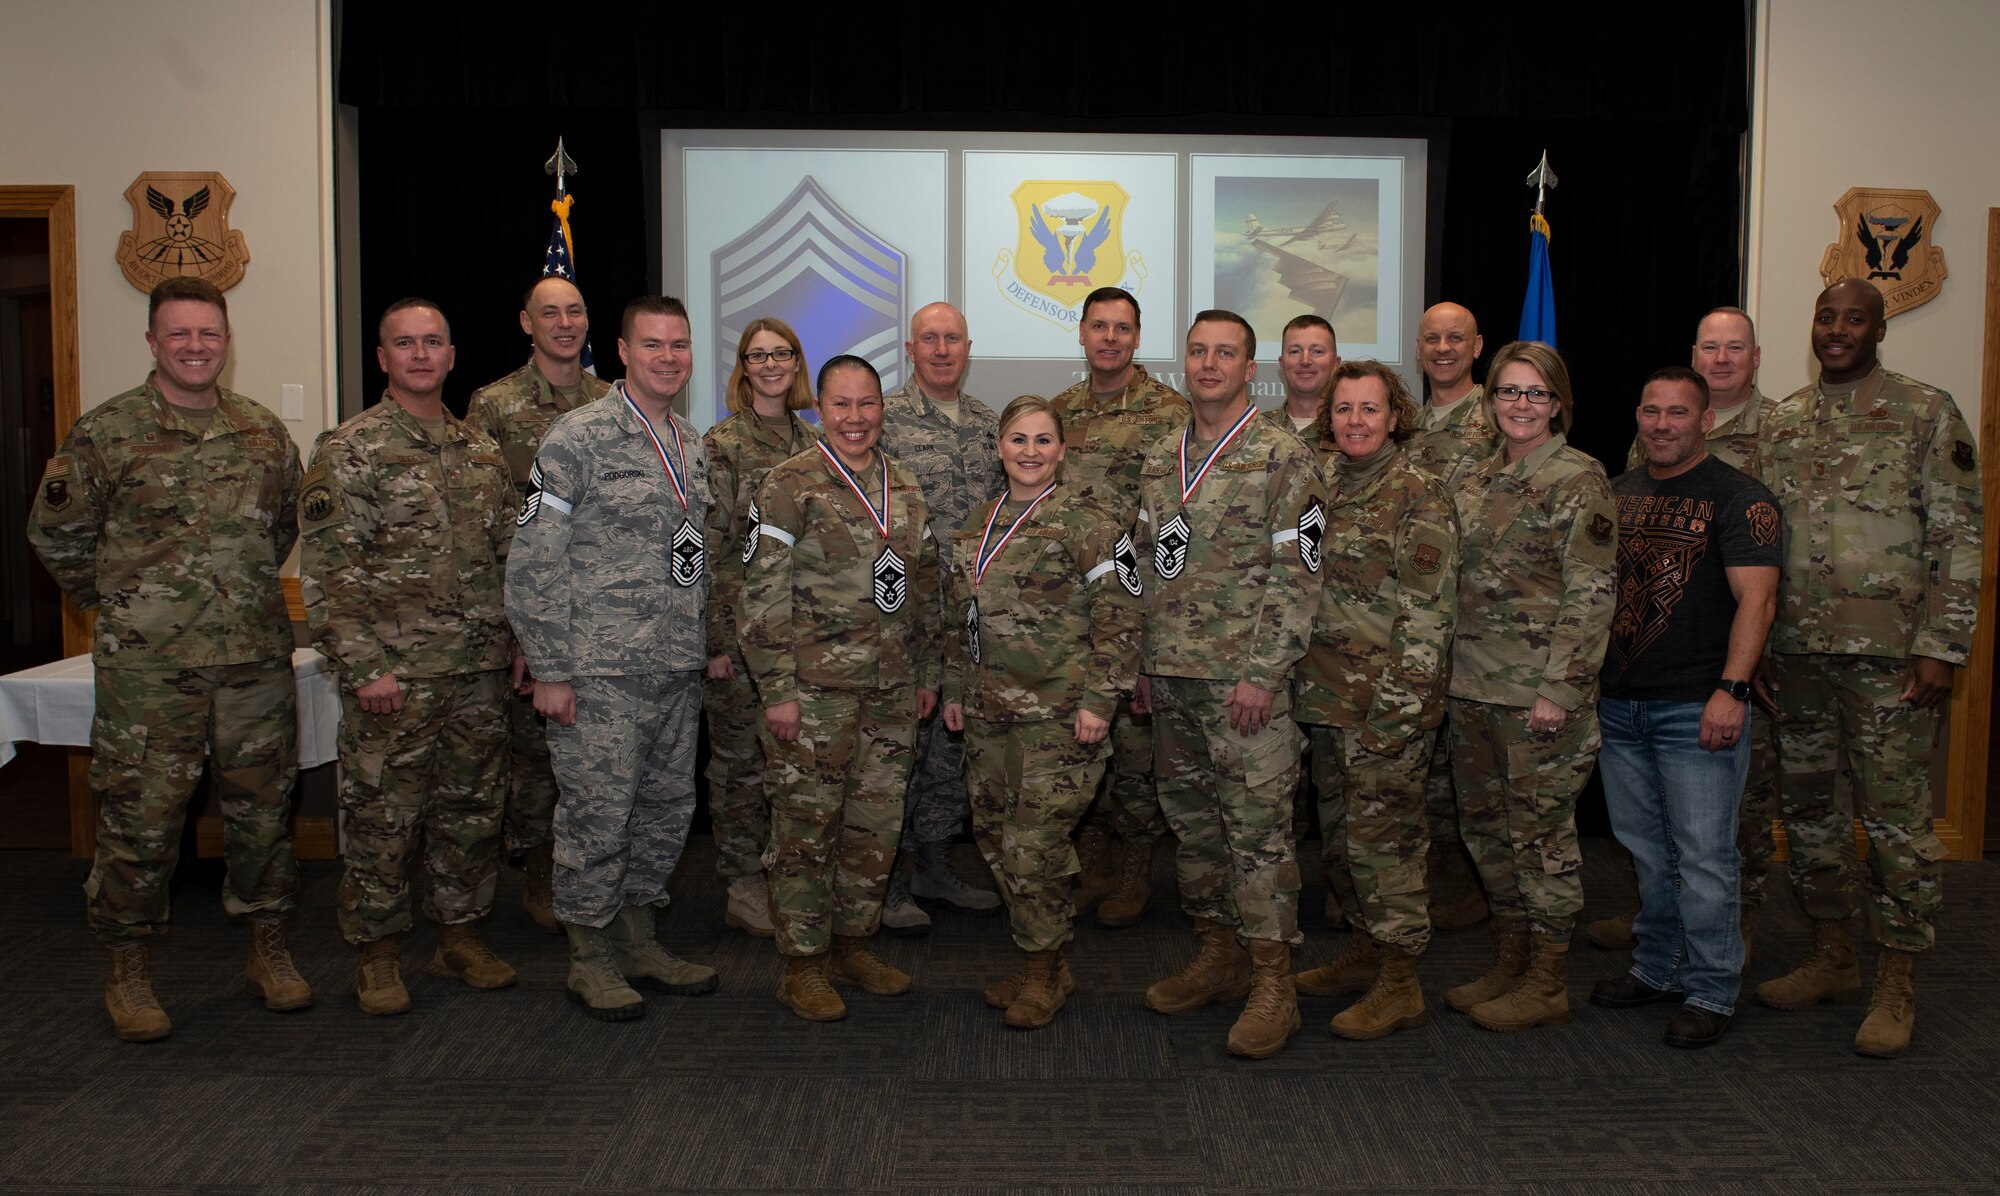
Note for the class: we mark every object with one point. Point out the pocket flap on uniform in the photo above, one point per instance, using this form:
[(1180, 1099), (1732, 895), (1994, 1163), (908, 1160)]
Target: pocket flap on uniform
[(1928, 847)]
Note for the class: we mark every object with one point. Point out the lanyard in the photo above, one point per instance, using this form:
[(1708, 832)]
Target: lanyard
[(881, 520), (982, 558), (1188, 486), (675, 475)]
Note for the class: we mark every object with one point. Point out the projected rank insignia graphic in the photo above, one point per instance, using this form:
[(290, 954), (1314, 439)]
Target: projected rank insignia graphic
[(1068, 246), (180, 229), (1887, 240), (838, 283)]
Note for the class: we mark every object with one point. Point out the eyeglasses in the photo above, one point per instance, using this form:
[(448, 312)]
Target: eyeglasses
[(1534, 394), (760, 356)]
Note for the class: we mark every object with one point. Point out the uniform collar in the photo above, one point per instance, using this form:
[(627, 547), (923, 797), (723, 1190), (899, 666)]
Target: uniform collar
[(914, 392), (229, 414), (1533, 461), (414, 428)]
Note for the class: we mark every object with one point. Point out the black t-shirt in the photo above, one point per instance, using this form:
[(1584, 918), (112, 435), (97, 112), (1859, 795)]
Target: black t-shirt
[(1670, 636)]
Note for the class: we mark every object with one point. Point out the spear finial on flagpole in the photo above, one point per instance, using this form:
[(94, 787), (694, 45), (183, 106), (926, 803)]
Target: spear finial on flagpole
[(1541, 178), (561, 164)]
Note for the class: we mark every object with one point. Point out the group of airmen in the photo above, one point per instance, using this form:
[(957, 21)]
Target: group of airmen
[(1089, 625)]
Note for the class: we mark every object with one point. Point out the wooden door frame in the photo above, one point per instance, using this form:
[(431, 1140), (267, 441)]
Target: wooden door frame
[(57, 205)]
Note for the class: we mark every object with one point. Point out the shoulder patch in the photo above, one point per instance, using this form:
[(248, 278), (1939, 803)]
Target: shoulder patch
[(320, 502), (1312, 535), (56, 495), (1127, 559), (1426, 564), (1961, 456), (751, 537), (1600, 529)]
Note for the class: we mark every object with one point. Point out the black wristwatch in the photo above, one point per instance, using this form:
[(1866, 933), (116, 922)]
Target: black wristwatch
[(1740, 690)]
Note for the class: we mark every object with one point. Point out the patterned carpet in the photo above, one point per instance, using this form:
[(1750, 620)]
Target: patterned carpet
[(518, 1092)]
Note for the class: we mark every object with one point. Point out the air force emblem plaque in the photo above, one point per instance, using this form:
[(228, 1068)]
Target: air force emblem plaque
[(1068, 245), (1886, 239), (180, 229)]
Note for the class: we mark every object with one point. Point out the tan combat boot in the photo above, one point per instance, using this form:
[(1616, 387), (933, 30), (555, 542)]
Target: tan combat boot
[(749, 907), (1095, 876), (853, 963), (1510, 963), (269, 972), (1271, 1016), (1002, 993), (637, 952), (1220, 971), (1614, 933), (1394, 1002), (378, 979), (461, 956), (128, 995), (1457, 898), (1828, 973), (805, 991), (1042, 992), (1133, 887), (1352, 971), (538, 888), (1540, 999), (594, 980), (1892, 1007)]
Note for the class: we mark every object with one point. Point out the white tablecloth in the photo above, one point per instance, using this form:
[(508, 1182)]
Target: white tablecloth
[(52, 703)]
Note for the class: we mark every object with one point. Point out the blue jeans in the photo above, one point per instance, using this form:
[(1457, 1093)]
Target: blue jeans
[(1673, 806)]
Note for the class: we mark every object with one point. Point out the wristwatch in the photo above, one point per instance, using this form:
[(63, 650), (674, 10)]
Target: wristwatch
[(1740, 690)]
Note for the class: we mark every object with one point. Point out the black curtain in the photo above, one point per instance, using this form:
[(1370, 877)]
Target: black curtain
[(1641, 111)]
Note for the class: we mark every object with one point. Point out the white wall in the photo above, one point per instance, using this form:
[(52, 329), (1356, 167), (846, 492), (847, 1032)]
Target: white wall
[(1854, 93), (96, 91)]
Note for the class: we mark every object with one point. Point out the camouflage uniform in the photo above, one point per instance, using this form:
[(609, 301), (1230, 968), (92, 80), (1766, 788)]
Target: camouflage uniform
[(740, 450), (1106, 445), (1235, 603), (1449, 440), (516, 412), (1735, 442), (1881, 493), (605, 589), (403, 542), (174, 536), (1372, 684), (1323, 447), (813, 633), (1537, 561), (1058, 620), (957, 468)]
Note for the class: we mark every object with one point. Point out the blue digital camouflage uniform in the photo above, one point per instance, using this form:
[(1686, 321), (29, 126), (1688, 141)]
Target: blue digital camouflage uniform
[(606, 585)]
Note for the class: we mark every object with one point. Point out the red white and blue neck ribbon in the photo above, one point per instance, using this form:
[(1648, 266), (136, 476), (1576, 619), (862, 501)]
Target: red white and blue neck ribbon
[(880, 518), (1188, 484), (982, 557), (676, 465)]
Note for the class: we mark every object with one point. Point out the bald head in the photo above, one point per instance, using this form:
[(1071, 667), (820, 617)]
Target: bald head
[(1726, 356), (1847, 330), (940, 347), (1448, 342)]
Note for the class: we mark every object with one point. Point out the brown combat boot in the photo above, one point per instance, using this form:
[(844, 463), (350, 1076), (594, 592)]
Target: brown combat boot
[(1457, 898), (805, 991), (269, 972), (1510, 963), (128, 995), (1095, 876), (853, 963), (594, 980), (1271, 1016), (1540, 999), (378, 979), (1352, 971), (1828, 973), (637, 952), (538, 888), (461, 956), (1002, 993), (1042, 992), (1614, 933), (1126, 906), (1394, 1002), (1220, 971), (1892, 1007)]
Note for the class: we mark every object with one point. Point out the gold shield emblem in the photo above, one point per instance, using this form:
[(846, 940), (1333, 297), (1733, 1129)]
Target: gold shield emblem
[(1068, 244), (180, 229), (1885, 238)]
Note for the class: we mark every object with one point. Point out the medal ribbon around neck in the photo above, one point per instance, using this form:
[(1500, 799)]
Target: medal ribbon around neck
[(982, 557), (881, 519), (1188, 486), (674, 475)]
